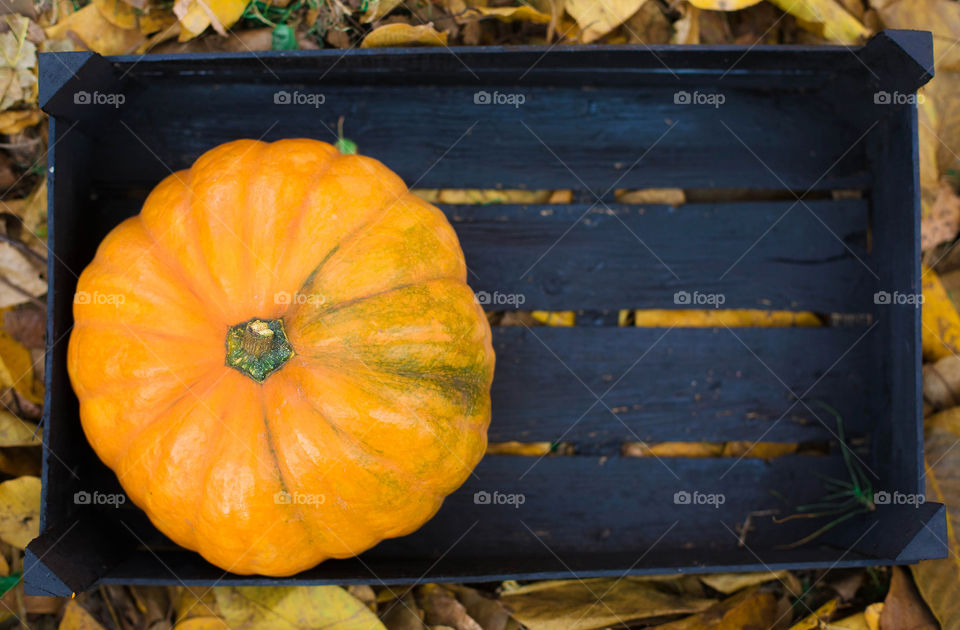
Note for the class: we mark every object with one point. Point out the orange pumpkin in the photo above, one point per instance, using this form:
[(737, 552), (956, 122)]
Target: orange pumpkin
[(280, 357)]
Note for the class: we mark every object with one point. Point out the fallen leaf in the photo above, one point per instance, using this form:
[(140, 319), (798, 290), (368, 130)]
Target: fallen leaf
[(827, 19), (748, 609), (478, 196), (853, 622), (329, 607), (121, 14), (594, 603), (18, 80), (16, 369), (596, 18), (202, 623), (404, 35), (488, 612), (96, 33), (555, 318), (196, 602), (940, 334), (903, 609), (728, 583), (943, 220), (672, 449), (941, 17), (441, 607), (527, 449), (523, 13), (818, 618), (724, 5), (16, 120), (378, 9), (939, 580), (17, 432), (666, 196), (20, 511), (76, 617), (686, 30), (759, 450), (35, 604), (723, 317), (196, 15), (26, 324), (648, 26), (400, 612), (871, 615)]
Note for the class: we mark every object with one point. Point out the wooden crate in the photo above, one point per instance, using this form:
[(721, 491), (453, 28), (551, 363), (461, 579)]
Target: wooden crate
[(796, 125)]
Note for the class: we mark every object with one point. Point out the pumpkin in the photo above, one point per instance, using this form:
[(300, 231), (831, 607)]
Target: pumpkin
[(280, 358)]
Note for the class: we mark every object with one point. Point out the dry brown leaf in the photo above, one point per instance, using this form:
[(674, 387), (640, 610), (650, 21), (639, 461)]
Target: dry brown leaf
[(760, 450), (748, 609), (941, 17), (36, 604), (75, 617), (18, 79), (522, 13), (441, 607), (943, 221), (488, 612), (20, 511), (686, 30), (672, 449), (827, 19), (196, 603), (26, 325), (596, 603), (729, 583), (400, 612), (96, 33), (477, 196), (404, 35), (259, 607), (903, 609), (648, 26), (940, 331), (596, 18), (16, 120)]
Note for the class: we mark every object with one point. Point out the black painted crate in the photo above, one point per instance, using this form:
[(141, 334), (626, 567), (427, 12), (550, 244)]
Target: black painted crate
[(811, 120)]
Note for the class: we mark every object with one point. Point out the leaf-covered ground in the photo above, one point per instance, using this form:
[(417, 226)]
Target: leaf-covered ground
[(925, 596)]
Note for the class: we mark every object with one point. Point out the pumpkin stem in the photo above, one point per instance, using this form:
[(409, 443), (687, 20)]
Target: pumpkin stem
[(258, 347)]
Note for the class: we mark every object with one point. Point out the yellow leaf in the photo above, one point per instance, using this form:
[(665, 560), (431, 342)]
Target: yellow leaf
[(941, 17), (596, 18), (825, 18), (816, 619), (555, 318), (941, 325), (595, 603), (16, 120), (379, 9), (724, 5), (121, 14), (668, 196), (853, 622), (75, 617), (760, 450), (267, 608), (871, 615), (404, 35), (16, 369), (20, 511), (196, 15), (478, 196), (522, 13), (202, 623), (748, 609), (939, 580), (196, 602), (17, 432), (96, 33), (728, 583), (519, 448), (672, 449), (718, 317)]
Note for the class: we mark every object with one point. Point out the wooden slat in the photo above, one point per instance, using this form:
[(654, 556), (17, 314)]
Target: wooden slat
[(692, 384), (436, 136), (775, 255)]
